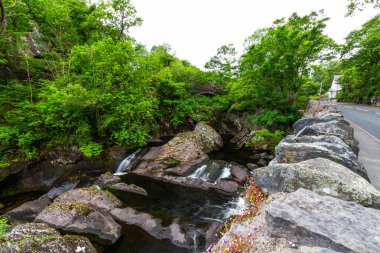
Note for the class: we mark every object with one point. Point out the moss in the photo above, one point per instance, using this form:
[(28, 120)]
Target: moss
[(82, 209)]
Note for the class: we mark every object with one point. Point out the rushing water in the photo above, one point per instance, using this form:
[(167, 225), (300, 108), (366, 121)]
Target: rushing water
[(126, 163)]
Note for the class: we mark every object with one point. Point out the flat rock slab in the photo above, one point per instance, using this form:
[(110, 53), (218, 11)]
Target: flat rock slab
[(82, 219), (99, 198), (321, 176), (151, 225), (38, 237), (309, 219), (28, 211)]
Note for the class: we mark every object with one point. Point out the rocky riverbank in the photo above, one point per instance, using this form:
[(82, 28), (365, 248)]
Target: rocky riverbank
[(319, 195), (168, 197)]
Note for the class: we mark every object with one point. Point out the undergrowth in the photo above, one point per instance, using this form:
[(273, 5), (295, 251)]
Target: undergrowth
[(239, 242)]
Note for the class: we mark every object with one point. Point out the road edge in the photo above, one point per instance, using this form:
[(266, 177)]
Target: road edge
[(365, 131)]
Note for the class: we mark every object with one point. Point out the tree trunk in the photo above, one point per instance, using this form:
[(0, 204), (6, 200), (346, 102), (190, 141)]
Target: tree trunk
[(3, 19)]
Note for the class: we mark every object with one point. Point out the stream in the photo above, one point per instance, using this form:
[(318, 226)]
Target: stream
[(189, 213)]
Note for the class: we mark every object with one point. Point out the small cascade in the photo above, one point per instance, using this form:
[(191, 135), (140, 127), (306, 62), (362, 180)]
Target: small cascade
[(226, 172), (125, 164), (236, 207), (200, 173)]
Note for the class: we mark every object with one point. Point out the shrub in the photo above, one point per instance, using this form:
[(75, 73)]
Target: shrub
[(264, 139)]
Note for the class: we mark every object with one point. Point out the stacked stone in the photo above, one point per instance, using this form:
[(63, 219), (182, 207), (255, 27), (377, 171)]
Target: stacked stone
[(330, 205)]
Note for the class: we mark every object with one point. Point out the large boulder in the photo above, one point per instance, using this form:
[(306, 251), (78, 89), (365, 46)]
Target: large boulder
[(81, 219), (336, 128), (299, 152), (320, 139), (308, 219), (91, 196), (308, 121), (38, 237), (182, 152), (318, 175)]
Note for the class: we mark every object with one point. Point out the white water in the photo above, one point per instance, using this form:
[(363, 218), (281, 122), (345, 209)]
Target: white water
[(226, 173), (124, 165), (237, 207), (200, 173)]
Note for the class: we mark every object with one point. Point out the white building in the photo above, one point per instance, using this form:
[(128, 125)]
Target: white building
[(335, 88)]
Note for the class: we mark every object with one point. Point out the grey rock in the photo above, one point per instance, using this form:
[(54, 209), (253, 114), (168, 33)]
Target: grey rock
[(107, 180), (299, 152), (81, 219), (128, 188), (308, 121), (308, 219), (98, 198), (38, 237), (321, 138), (182, 152), (336, 128), (303, 249), (56, 191), (239, 173), (321, 176), (151, 225), (28, 211)]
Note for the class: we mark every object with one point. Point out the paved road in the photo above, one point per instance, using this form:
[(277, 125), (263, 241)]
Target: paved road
[(366, 122)]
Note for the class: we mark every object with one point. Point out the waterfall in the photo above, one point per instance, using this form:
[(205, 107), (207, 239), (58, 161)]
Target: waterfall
[(226, 172), (200, 173), (236, 207), (125, 164)]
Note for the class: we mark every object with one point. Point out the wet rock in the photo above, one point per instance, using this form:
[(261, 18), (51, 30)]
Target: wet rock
[(98, 198), (335, 128), (151, 225), (304, 122), (226, 187), (321, 139), (107, 180), (56, 191), (252, 166), (81, 219), (239, 173), (67, 156), (318, 175), (38, 237), (128, 188), (299, 152), (28, 211), (309, 219)]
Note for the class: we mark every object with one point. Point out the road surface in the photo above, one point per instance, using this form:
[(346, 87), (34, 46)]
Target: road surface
[(366, 122)]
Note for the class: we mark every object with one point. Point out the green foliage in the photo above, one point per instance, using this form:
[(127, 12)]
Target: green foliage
[(277, 63), (265, 138), (224, 64), (354, 5), (361, 64), (3, 227), (274, 118)]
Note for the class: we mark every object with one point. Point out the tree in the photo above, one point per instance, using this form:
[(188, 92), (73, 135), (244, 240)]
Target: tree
[(361, 63), (224, 63), (3, 19), (354, 5), (277, 61), (120, 15)]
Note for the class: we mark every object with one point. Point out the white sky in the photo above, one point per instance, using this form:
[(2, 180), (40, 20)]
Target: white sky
[(196, 28)]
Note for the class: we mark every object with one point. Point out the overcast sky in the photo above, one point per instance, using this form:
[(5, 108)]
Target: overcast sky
[(196, 28)]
